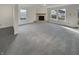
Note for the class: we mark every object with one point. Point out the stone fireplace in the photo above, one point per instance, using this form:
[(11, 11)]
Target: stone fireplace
[(40, 16)]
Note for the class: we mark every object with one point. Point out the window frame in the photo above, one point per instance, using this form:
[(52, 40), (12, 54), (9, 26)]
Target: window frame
[(57, 14), (25, 17)]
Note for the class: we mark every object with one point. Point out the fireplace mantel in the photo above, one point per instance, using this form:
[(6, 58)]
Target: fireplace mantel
[(40, 13)]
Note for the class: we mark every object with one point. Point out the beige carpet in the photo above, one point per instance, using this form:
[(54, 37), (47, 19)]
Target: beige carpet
[(44, 39)]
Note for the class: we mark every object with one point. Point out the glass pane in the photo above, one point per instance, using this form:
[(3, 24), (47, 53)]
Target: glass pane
[(61, 14), (23, 14), (54, 14)]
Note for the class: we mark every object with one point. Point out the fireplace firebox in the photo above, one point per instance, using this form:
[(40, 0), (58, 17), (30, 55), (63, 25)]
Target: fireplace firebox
[(41, 18)]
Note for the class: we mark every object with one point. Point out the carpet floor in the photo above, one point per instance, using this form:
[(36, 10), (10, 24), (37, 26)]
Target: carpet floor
[(44, 39)]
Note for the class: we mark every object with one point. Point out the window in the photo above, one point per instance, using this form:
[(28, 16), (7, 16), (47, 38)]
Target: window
[(54, 14), (62, 14), (58, 14), (23, 14)]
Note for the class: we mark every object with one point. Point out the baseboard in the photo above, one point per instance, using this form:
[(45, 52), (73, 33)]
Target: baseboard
[(65, 25)]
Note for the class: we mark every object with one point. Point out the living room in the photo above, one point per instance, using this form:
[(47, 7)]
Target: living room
[(35, 29)]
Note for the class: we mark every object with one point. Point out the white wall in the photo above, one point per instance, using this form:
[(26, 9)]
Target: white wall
[(30, 13), (71, 20), (15, 18), (6, 15)]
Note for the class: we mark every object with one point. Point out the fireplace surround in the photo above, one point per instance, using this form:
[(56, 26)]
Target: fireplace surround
[(40, 16)]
